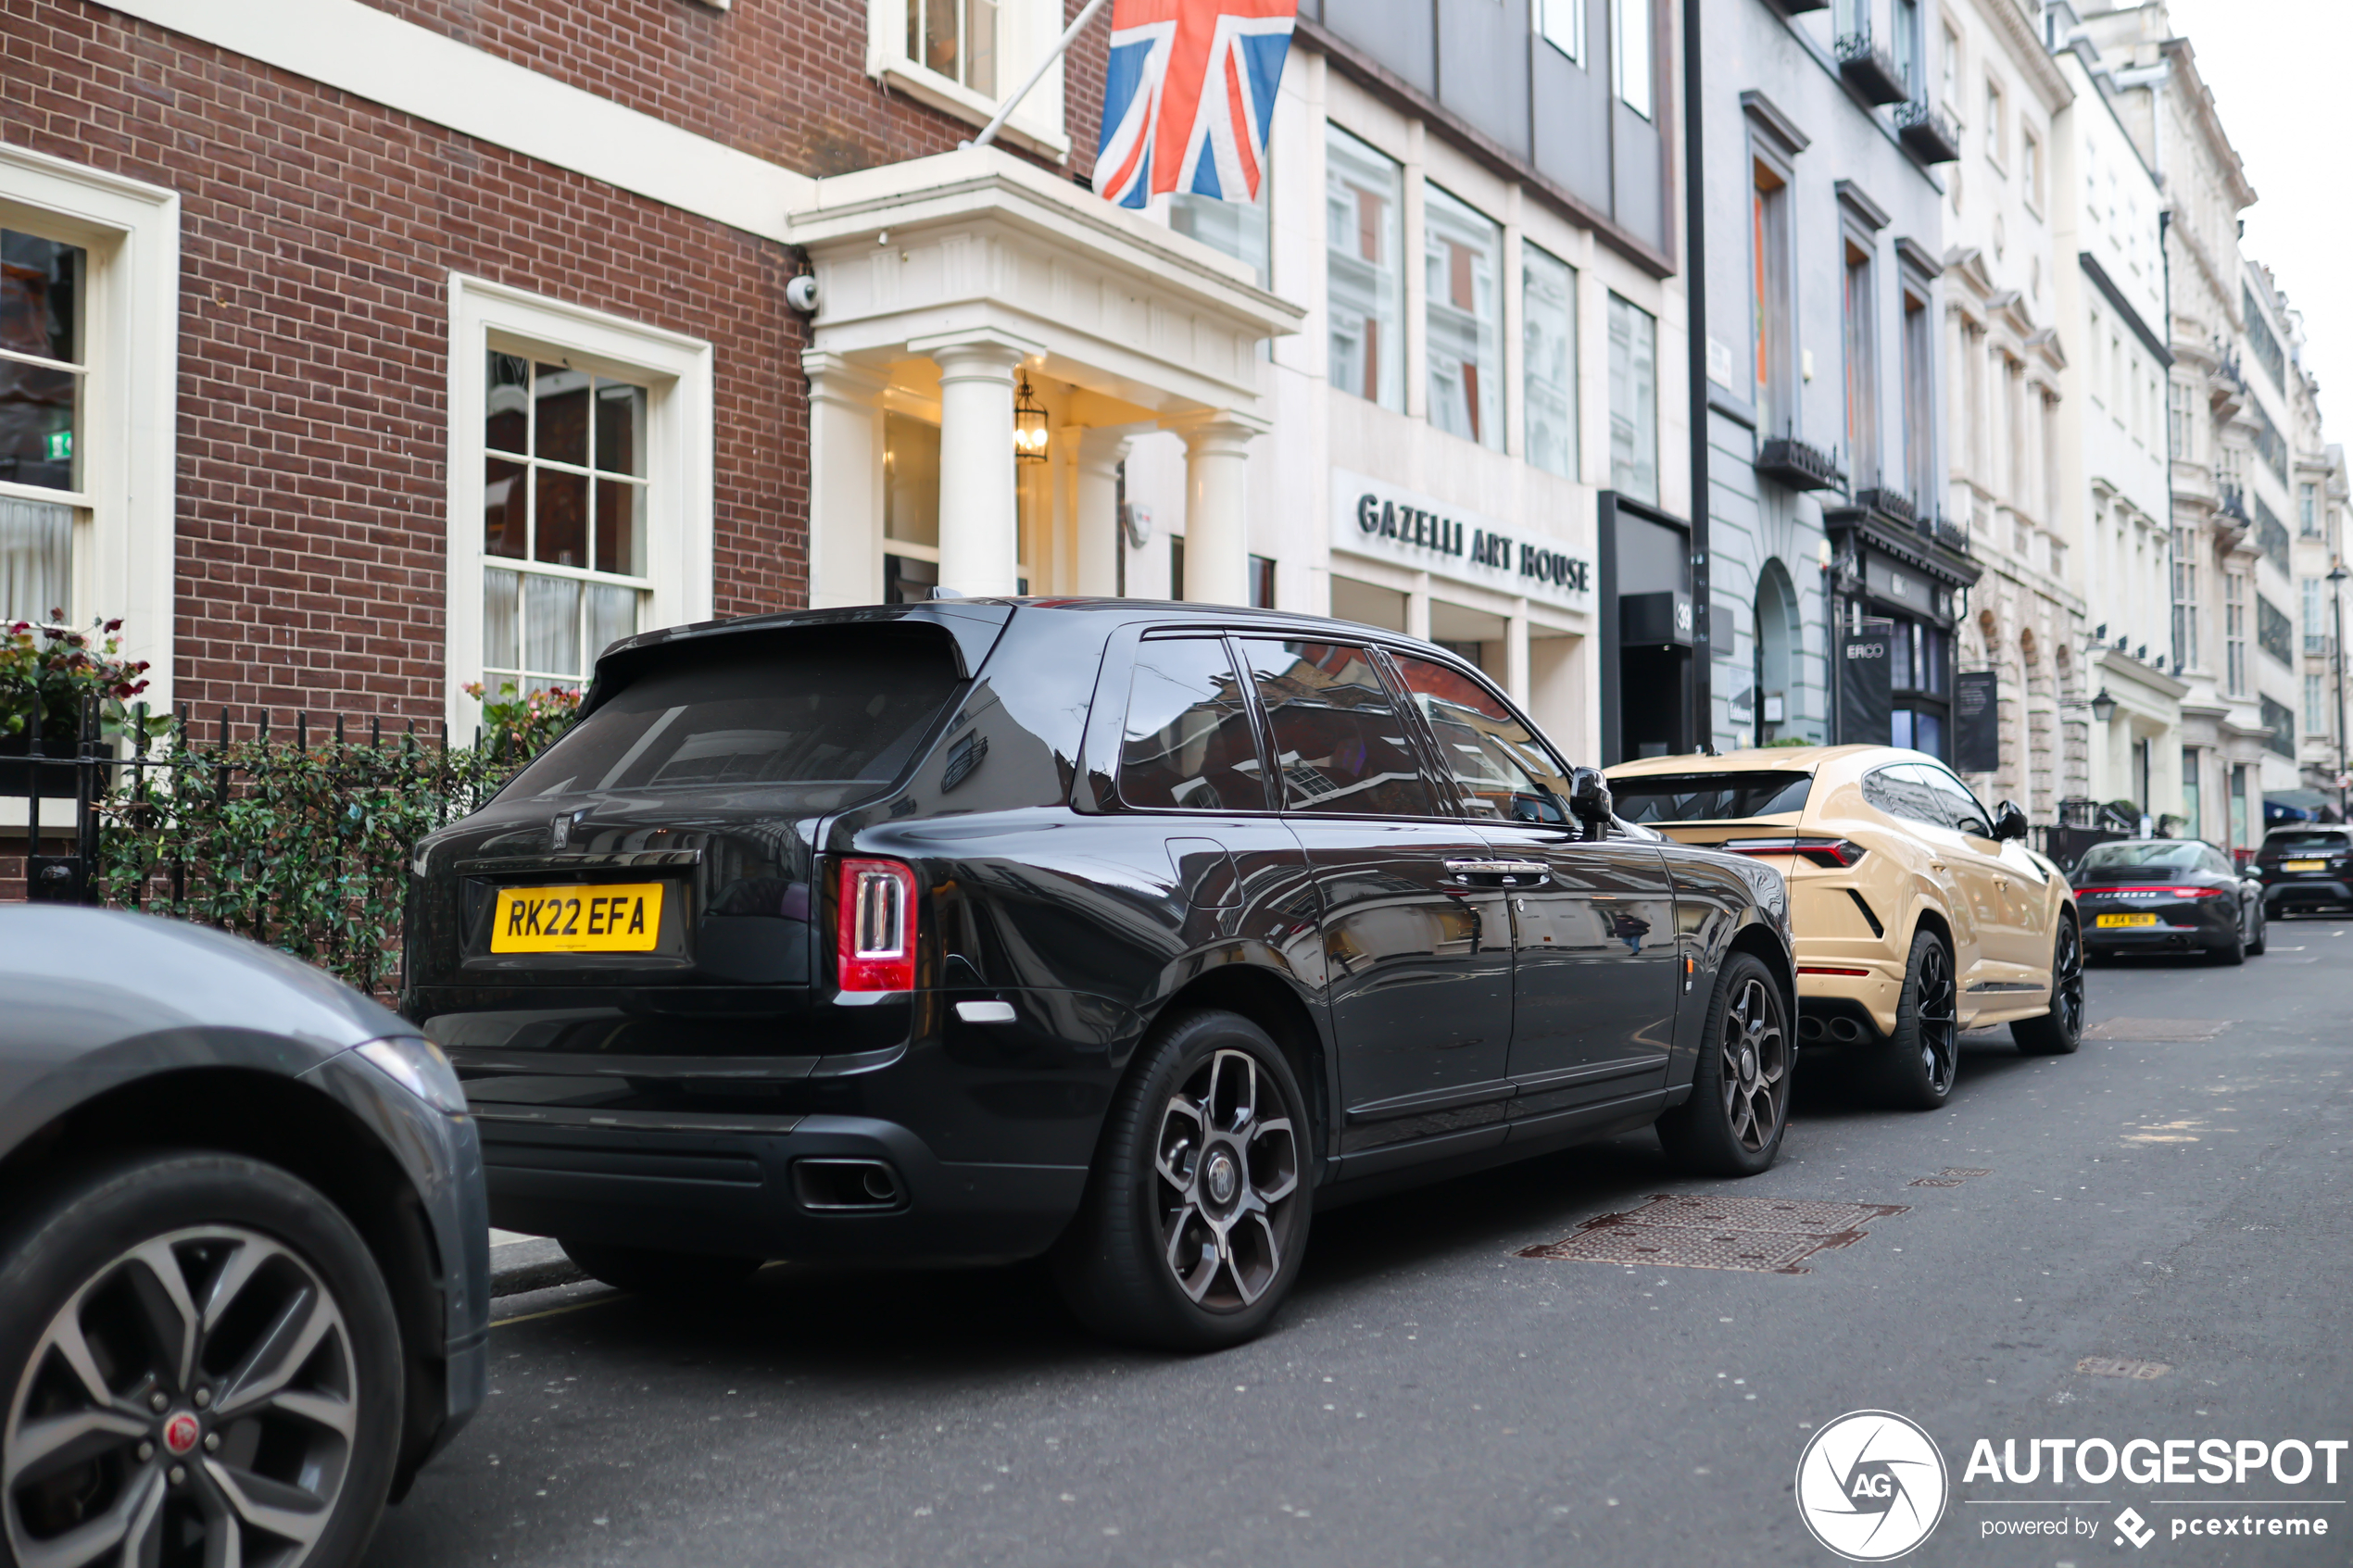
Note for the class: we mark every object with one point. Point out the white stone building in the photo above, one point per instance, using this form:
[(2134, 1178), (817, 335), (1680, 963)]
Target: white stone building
[(2008, 363), (2109, 270)]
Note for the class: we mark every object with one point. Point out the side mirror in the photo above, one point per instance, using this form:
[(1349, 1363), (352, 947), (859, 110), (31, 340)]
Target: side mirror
[(1589, 800), (2008, 820)]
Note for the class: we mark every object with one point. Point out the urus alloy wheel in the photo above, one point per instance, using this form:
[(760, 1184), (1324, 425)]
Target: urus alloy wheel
[(2066, 986), (195, 1400), (1940, 1043), (1227, 1183), (1755, 1069)]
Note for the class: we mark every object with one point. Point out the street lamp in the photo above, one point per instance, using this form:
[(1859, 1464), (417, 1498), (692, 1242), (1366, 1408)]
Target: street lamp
[(2103, 706), (2337, 574)]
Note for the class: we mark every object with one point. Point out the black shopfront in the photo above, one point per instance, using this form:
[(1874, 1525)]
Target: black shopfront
[(1652, 645), (1899, 589)]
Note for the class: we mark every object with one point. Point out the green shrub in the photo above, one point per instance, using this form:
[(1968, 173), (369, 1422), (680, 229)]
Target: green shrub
[(304, 846)]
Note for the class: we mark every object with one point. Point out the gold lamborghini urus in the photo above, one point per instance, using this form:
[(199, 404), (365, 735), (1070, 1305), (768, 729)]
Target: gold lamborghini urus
[(1917, 912)]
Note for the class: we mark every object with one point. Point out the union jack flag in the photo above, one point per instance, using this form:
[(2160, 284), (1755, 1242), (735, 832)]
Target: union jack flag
[(1190, 96)]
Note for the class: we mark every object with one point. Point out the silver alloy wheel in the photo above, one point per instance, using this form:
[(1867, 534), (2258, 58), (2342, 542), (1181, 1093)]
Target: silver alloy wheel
[(196, 1394), (1227, 1183), (1938, 1028), (1756, 1066)]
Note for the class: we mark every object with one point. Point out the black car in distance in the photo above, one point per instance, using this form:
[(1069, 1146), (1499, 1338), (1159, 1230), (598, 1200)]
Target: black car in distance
[(2305, 867), (1130, 933), (2168, 895), (244, 1257)]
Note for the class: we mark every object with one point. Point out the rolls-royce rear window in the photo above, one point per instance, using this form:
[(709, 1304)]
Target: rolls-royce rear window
[(842, 707), (1709, 798)]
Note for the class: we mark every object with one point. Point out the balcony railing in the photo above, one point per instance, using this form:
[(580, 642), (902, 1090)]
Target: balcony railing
[(1945, 532), (1870, 70), (1787, 461), (2232, 504), (1928, 134), (1892, 505)]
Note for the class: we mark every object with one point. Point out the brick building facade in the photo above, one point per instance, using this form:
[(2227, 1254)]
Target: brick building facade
[(278, 252)]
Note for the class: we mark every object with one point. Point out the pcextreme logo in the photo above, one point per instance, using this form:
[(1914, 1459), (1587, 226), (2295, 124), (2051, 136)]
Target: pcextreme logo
[(1872, 1486)]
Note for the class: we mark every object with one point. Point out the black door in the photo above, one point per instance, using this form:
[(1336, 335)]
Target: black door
[(1597, 968), (1417, 937)]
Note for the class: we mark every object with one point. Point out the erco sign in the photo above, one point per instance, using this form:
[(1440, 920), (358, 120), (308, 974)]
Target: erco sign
[(1370, 518)]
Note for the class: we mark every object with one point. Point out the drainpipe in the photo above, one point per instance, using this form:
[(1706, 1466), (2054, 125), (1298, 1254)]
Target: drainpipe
[(1695, 317)]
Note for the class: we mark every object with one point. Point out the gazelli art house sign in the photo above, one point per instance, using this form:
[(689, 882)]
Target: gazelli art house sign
[(1370, 518)]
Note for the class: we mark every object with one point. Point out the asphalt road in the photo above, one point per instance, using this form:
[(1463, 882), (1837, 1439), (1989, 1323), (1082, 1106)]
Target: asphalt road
[(1430, 1397)]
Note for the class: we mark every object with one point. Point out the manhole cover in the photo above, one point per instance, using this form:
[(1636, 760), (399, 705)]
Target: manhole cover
[(2111, 1366), (1762, 1234), (2156, 1029)]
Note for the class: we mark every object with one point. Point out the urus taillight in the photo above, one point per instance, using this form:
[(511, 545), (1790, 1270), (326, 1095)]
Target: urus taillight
[(874, 939)]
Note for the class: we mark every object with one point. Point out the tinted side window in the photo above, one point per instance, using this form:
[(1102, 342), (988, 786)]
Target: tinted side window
[(1341, 742), (1895, 791), (2208, 861), (1499, 769), (1187, 744), (1963, 811)]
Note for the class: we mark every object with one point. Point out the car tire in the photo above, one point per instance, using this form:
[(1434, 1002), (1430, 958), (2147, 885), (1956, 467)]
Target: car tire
[(2262, 933), (1205, 1155), (2233, 953), (648, 1270), (290, 1455), (2059, 1031), (1733, 1122), (1923, 1059)]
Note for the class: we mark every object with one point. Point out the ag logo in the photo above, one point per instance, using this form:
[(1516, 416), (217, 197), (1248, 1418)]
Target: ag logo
[(1870, 1486)]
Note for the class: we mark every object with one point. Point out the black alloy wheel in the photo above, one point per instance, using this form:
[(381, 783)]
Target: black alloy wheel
[(2232, 954), (2059, 1031), (1924, 1058), (1195, 1214), (2262, 938), (205, 1369), (1738, 1110)]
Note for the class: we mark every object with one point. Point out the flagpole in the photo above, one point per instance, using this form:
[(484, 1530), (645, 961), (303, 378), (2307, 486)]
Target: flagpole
[(1069, 36)]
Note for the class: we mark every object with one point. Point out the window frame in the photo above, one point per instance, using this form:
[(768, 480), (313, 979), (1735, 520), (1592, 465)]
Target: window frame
[(1534, 257), (1485, 390), (1625, 70), (1261, 740), (1574, 10), (1390, 361), (125, 532), (677, 372), (1025, 30), (1772, 291), (1651, 406)]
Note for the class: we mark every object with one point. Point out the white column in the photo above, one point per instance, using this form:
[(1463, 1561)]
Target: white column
[(1217, 507), (1095, 510), (1515, 674), (980, 544), (845, 481), (1417, 608)]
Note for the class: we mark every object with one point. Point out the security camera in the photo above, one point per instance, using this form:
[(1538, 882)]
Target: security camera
[(802, 293)]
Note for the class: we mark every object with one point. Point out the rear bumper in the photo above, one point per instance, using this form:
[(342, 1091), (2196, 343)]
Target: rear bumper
[(1871, 996), (735, 1193), (2183, 928), (2294, 892)]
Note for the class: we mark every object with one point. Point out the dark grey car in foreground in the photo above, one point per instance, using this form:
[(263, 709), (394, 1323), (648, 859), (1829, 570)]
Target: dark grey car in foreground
[(244, 1255)]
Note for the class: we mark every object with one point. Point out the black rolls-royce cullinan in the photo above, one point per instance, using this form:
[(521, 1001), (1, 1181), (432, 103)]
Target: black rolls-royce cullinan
[(1126, 932)]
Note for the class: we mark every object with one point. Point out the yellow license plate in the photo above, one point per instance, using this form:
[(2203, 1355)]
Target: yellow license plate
[(2111, 921), (609, 918), (2304, 865)]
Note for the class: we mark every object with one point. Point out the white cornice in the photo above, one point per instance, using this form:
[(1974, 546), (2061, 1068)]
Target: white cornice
[(414, 71)]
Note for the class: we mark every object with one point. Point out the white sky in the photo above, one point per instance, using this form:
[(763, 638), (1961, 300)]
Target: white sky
[(2277, 69)]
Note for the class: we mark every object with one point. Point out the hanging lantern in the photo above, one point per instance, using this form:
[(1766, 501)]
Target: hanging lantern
[(1029, 425)]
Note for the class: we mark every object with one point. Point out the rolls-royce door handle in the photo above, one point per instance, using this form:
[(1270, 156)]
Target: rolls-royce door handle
[(1497, 874)]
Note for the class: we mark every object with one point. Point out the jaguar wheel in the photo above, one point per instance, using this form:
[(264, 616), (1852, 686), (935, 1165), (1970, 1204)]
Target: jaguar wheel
[(1196, 1213), (1739, 1109), (1923, 1060), (2059, 1031), (206, 1369)]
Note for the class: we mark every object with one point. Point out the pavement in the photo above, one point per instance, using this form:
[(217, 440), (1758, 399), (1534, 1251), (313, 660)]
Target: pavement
[(2150, 1240)]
